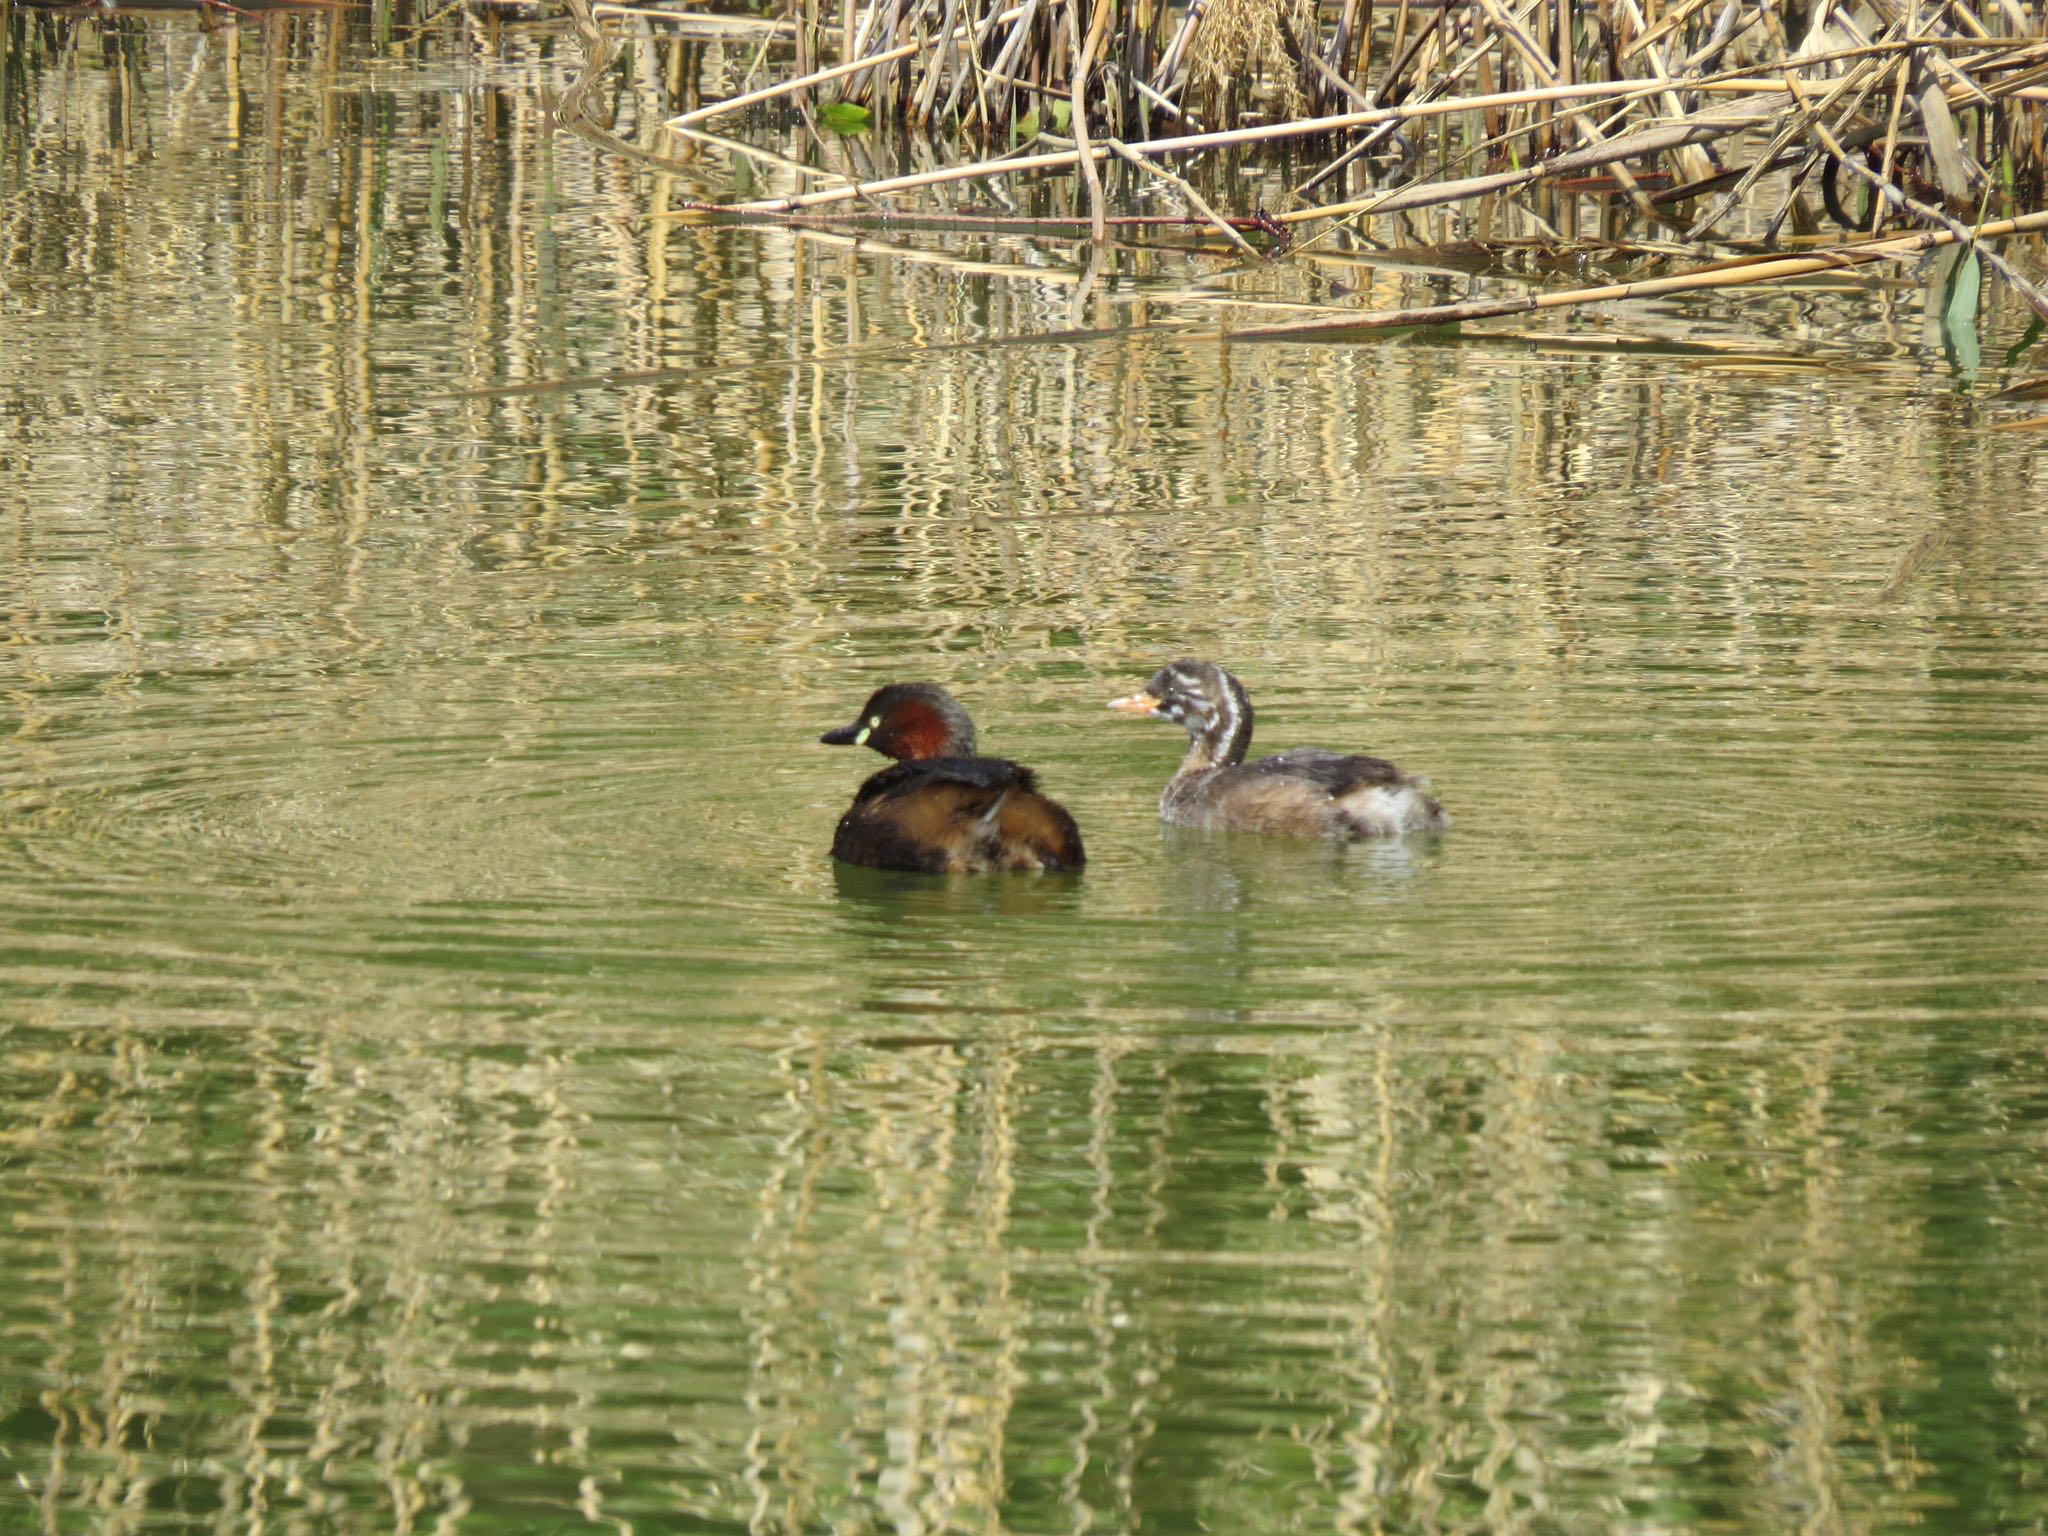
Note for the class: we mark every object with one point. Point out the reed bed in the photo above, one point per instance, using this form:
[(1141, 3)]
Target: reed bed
[(1839, 127)]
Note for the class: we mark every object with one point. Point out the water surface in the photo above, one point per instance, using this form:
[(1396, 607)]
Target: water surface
[(445, 1086)]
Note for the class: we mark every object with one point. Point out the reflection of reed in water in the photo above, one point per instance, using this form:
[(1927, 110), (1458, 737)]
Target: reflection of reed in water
[(278, 1301), (1353, 1276), (1110, 1306)]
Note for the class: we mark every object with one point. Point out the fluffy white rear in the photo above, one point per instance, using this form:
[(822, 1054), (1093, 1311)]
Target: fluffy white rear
[(1383, 810)]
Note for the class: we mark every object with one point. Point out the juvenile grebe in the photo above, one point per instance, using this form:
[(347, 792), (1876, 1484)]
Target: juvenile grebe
[(1304, 792)]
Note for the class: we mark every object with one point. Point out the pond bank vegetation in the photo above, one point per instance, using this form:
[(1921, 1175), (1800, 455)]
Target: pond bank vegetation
[(1691, 145)]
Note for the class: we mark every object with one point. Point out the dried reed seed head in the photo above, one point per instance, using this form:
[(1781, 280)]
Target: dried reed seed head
[(1245, 40)]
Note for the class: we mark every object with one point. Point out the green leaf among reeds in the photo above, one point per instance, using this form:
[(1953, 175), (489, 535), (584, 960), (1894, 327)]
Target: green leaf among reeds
[(1959, 298), (846, 118)]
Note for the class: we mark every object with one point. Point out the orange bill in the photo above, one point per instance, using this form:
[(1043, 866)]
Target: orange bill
[(1137, 704)]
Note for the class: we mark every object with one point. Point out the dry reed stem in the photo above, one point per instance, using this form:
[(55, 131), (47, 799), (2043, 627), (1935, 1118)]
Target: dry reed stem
[(1188, 194), (1721, 206), (787, 87), (1187, 143), (1084, 56), (1544, 72), (712, 22), (1703, 127), (755, 152), (1740, 273), (1892, 193)]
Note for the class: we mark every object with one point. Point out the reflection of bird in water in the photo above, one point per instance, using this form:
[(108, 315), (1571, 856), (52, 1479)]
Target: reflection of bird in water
[(1305, 792), (941, 809)]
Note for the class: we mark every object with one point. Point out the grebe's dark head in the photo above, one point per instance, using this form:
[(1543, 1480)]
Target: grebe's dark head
[(909, 721)]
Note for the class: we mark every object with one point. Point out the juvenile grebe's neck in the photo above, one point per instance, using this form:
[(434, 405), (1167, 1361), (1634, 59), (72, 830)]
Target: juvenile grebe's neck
[(1220, 729)]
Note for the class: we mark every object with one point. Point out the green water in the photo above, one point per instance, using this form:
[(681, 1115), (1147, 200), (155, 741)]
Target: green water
[(444, 1085)]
